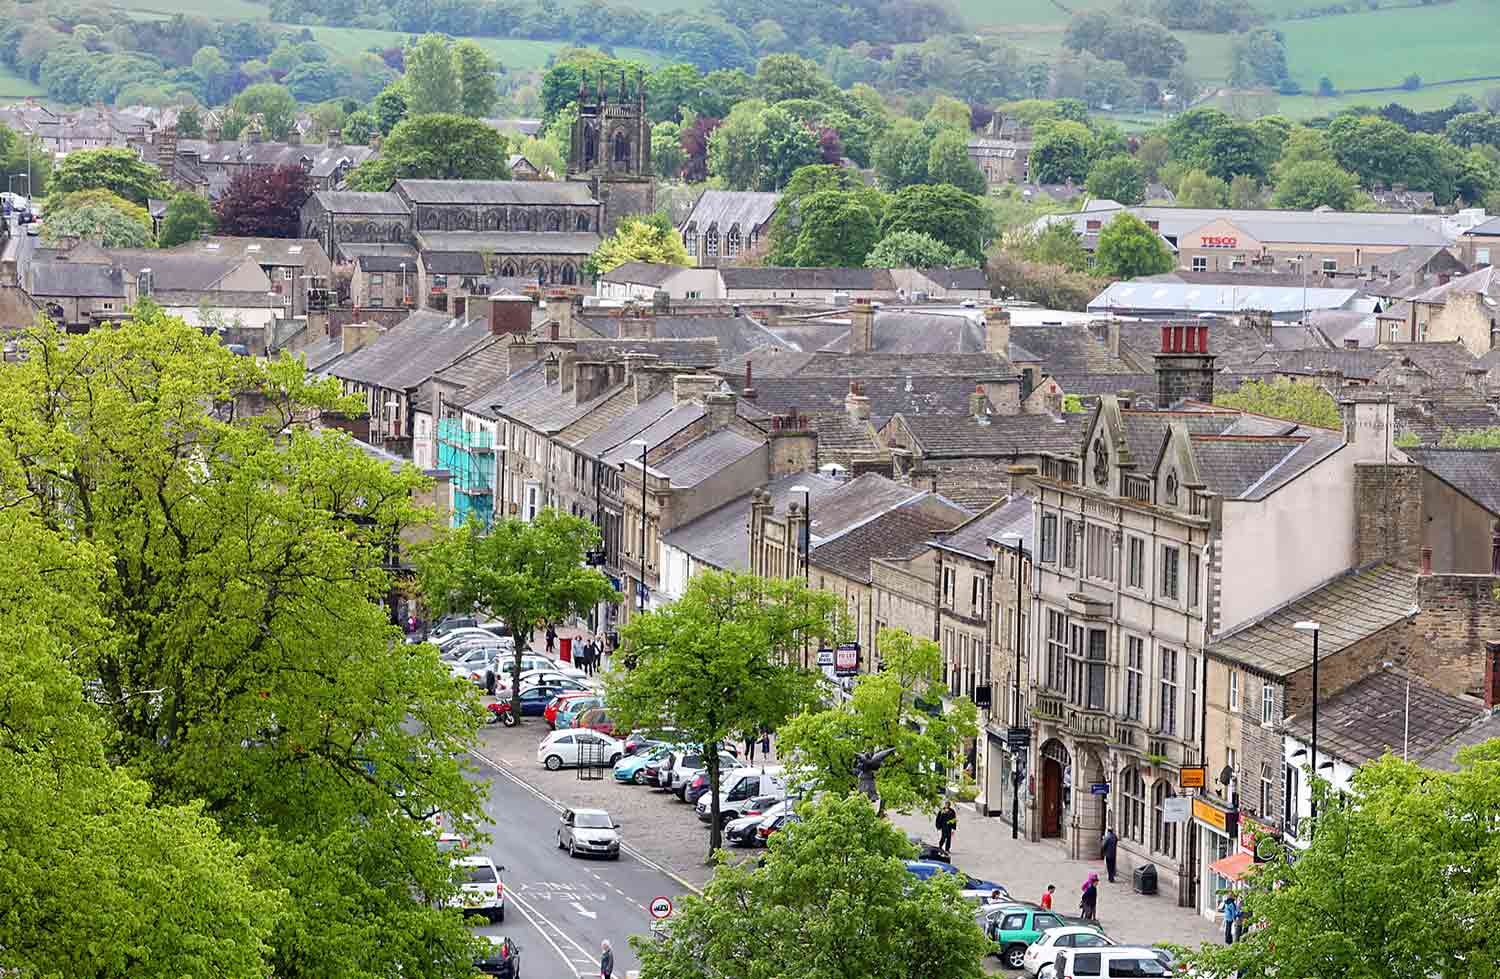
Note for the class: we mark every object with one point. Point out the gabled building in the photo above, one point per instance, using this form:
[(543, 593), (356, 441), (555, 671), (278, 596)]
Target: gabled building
[(729, 226)]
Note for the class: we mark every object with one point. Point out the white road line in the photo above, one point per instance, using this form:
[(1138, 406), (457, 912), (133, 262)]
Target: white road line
[(568, 960), (583, 955)]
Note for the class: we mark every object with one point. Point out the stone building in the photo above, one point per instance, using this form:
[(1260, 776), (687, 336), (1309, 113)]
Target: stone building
[(1003, 151), (729, 227), (610, 151)]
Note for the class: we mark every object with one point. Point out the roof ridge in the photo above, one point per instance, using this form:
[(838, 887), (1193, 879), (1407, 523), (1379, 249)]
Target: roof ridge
[(1369, 566)]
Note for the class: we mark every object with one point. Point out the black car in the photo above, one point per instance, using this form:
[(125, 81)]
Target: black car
[(503, 959), (929, 851)]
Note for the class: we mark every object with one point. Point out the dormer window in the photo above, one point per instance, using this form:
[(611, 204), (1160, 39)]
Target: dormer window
[(1101, 463), (1171, 489)]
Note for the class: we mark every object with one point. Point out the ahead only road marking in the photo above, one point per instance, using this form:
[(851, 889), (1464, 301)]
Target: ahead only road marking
[(574, 956)]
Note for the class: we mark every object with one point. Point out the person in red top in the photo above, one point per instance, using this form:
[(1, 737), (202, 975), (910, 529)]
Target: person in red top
[(1047, 897)]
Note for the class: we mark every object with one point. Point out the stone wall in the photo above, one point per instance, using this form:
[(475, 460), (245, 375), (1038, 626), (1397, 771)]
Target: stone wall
[(1261, 747), (1388, 509)]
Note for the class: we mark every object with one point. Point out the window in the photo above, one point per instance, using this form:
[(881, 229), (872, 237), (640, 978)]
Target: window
[(1097, 669), (1289, 793), (1132, 805), (732, 243), (1070, 544), (533, 492), (1099, 553), (439, 281), (1481, 256), (1087, 965), (1266, 789), (711, 244), (377, 279), (977, 596), (1190, 698), (1135, 555), (1092, 224), (1200, 264), (1167, 704), (1234, 689), (1170, 558), (1170, 489), (1267, 704), (1163, 833), (1192, 582), (1135, 676), (691, 243), (949, 577), (1057, 650), (1049, 538), (1330, 265)]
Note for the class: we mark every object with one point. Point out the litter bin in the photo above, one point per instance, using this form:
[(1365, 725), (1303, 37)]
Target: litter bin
[(1145, 879), (565, 648)]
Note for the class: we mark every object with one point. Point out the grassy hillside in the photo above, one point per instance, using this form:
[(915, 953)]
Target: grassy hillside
[(510, 52), (218, 10), (1382, 47), (13, 86)]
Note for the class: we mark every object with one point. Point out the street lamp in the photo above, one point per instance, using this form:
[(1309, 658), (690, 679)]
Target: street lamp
[(1313, 627), (1012, 541), (644, 446)]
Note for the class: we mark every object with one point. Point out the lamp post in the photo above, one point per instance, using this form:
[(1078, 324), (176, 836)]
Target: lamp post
[(1313, 627), (1012, 541), (644, 446)]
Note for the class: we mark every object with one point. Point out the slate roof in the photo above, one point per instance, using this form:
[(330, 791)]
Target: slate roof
[(176, 271), (296, 252), (1093, 385), (1444, 757), (888, 395), (408, 353), (966, 279), (481, 192), (1012, 515), (807, 279), (642, 273), (320, 355), (728, 209), (354, 251), (659, 431), (63, 278), (900, 532), (908, 332), (1348, 608), (627, 426), (1370, 717), (840, 437), (1069, 348), (721, 537), (388, 263), (360, 202), (1361, 364), (1232, 342), (480, 365), (1445, 360), (321, 160), (706, 456), (1485, 281), (1005, 436), (853, 502), (735, 335), (1431, 417), (454, 263), (1473, 472), (688, 353), (1365, 228), (506, 391), (512, 242)]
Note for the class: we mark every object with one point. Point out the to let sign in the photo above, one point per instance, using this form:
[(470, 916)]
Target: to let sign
[(1205, 813), (1219, 241), (846, 659)]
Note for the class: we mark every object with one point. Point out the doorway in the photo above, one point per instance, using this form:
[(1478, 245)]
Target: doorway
[(1052, 775)]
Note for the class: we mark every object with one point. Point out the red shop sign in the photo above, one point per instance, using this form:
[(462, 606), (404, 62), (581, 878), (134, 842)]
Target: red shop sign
[(1219, 241)]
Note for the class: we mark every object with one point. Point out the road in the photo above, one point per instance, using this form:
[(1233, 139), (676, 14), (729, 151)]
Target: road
[(559, 909)]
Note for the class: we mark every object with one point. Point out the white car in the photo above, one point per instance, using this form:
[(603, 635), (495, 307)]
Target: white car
[(532, 663), (551, 674), (588, 832), (1041, 953), (478, 666), (565, 748), (480, 891)]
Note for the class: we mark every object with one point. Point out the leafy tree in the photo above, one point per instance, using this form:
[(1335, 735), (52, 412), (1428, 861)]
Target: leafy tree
[(948, 113), (1476, 438), (317, 81), (187, 217), (1198, 189), (240, 547), (837, 230), (432, 81), (948, 162), (943, 212), (833, 890), (788, 144), (1305, 186), (1216, 142), (525, 574), (883, 713), (99, 216), (1244, 191), (1144, 46), (1259, 58), (779, 77), (118, 171), (720, 664), (1127, 248), (758, 148), (649, 238), (476, 79), (1400, 838), (390, 106), (1473, 128), (1056, 244), (1117, 178), (190, 122), (273, 103), (901, 155), (264, 203), (806, 181), (1061, 154), (1305, 403), (667, 155), (439, 146), (214, 73), (359, 127), (1053, 287), (915, 250), (672, 90)]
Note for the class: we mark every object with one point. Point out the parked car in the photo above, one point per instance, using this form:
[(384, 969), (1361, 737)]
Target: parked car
[(973, 888), (571, 748), (478, 665), (1042, 953), (480, 891), (568, 713), (559, 702), (597, 719), (646, 739), (588, 832), (451, 623), (1119, 960), (451, 843), (531, 663), (928, 851), (534, 700), (688, 764), (633, 767), (502, 959), (1014, 927), (740, 786), (740, 831), (450, 640), (770, 825)]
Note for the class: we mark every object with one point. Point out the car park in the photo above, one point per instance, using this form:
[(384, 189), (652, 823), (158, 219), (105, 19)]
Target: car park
[(740, 831), (633, 767), (531, 663), (644, 739), (452, 623), (568, 749), (771, 825), (568, 714), (973, 888), (1014, 927), (596, 719), (1042, 953), (1102, 963), (502, 959), (688, 764), (588, 832), (462, 634), (480, 889), (559, 702), (534, 700), (738, 787)]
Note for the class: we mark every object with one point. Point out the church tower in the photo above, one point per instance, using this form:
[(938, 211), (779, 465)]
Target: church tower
[(611, 148)]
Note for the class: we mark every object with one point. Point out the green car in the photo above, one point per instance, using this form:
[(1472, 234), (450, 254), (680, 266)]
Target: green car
[(1012, 927)]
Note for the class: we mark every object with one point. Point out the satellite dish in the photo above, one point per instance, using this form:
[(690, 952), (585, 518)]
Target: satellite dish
[(1226, 776)]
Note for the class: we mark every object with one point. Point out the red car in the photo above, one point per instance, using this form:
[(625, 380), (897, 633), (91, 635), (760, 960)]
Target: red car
[(596, 719), (550, 711)]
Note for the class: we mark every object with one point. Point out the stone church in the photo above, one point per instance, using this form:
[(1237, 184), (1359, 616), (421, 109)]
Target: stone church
[(541, 229)]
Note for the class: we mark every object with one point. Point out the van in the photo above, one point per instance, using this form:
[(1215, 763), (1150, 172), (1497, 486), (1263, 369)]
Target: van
[(1120, 962), (740, 786)]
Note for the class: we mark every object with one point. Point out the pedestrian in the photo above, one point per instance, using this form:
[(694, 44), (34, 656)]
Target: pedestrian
[(1107, 847), (750, 749), (1232, 914), (1047, 897), (1088, 906), (606, 961), (591, 656), (551, 638), (765, 742), (947, 822)]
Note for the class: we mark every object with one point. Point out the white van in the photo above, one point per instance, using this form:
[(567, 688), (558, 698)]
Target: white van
[(741, 785), (1121, 962)]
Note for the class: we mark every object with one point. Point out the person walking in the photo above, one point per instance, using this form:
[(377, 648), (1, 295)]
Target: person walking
[(606, 961), (1088, 905), (1108, 846), (551, 638), (750, 749), (765, 742), (1047, 897), (947, 822), (1232, 915), (586, 656)]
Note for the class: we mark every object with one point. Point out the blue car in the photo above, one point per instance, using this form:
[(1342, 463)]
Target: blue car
[(632, 768), (973, 888), (534, 700)]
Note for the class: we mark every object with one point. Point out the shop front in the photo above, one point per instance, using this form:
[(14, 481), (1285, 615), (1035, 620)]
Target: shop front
[(1219, 857)]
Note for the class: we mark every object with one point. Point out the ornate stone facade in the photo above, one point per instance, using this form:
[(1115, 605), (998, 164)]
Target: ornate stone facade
[(611, 148)]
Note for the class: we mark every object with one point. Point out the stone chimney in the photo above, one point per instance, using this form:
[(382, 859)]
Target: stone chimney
[(356, 335), (560, 308), (1184, 368), (553, 368), (794, 445), (997, 331), (520, 355), (294, 138), (693, 387), (1351, 343), (861, 327), (636, 324), (720, 406), (166, 151), (979, 405), (749, 393), (856, 404), (590, 379)]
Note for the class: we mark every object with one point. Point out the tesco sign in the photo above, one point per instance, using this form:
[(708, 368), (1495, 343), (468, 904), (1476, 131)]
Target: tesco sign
[(1219, 241)]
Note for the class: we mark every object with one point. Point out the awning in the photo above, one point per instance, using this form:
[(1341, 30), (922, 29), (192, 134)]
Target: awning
[(1233, 866)]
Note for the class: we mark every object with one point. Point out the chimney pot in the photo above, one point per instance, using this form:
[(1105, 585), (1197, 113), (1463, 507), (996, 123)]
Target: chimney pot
[(1427, 559)]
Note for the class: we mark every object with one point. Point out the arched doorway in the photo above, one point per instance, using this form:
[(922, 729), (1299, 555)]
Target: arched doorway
[(1057, 788)]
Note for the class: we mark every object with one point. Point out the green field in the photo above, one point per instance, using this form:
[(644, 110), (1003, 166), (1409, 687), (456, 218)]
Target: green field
[(1382, 47), (511, 53), (13, 86), (218, 10)]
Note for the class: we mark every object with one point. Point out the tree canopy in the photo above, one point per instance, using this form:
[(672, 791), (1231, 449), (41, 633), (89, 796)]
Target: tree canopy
[(439, 146), (188, 216), (99, 216), (1313, 184), (264, 202), (118, 171), (941, 211), (1127, 248), (1117, 178), (646, 238), (837, 230), (1306, 403), (274, 104), (915, 250)]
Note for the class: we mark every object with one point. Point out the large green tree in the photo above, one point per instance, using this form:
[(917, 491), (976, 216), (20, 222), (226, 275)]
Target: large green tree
[(884, 713), (837, 230), (249, 671), (275, 105), (901, 155), (833, 899), (948, 162), (1306, 403), (1127, 248), (648, 238), (118, 171), (1117, 178), (476, 79), (944, 212), (1314, 184), (523, 573), (915, 250), (98, 216), (805, 182), (438, 146), (188, 216), (1061, 154), (721, 664), (432, 80)]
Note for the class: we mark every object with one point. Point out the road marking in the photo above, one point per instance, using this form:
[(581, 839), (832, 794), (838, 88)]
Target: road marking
[(568, 959), (587, 914), (583, 955)]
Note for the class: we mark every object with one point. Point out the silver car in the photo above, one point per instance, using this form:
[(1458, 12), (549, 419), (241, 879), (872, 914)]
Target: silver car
[(588, 832)]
